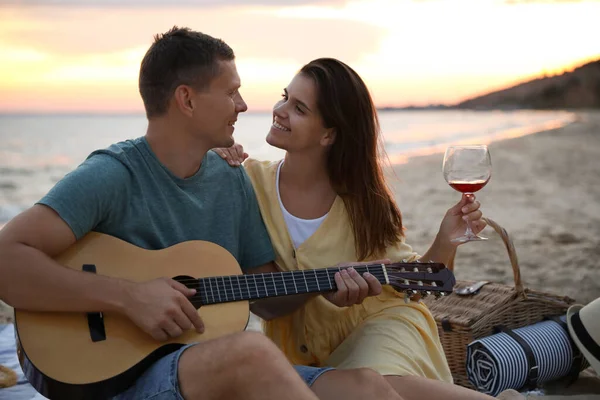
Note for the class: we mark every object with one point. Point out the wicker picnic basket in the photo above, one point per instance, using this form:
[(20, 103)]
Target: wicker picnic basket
[(463, 319)]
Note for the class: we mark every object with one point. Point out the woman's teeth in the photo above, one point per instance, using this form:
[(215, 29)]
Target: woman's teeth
[(280, 127)]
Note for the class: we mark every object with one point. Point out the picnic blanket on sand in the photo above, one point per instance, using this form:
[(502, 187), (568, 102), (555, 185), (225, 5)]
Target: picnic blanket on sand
[(8, 358)]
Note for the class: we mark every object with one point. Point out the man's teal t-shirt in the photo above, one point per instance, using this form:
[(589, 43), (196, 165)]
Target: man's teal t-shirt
[(126, 192)]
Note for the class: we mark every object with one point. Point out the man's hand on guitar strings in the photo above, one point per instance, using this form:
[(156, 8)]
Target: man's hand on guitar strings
[(352, 287), (162, 309)]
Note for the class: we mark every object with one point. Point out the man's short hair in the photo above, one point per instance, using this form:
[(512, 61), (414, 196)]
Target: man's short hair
[(180, 56)]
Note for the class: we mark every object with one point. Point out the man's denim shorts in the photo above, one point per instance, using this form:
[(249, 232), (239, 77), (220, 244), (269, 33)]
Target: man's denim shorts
[(159, 382)]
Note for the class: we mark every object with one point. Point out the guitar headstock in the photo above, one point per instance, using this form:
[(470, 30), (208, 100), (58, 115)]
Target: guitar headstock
[(421, 278)]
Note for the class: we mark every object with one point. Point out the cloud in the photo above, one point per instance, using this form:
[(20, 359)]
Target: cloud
[(545, 1), (162, 3), (68, 32)]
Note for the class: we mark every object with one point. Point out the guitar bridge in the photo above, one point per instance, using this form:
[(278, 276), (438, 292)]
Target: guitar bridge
[(95, 319)]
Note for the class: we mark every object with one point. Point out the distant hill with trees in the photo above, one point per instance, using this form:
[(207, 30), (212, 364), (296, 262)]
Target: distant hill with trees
[(576, 89)]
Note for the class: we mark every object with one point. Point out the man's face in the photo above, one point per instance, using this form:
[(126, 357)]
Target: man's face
[(217, 107)]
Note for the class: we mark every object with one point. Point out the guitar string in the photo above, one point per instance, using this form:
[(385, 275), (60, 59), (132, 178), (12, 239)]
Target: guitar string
[(258, 293), (286, 277), (324, 272), (284, 284)]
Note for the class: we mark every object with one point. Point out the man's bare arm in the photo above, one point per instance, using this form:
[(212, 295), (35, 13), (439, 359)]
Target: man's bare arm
[(32, 280)]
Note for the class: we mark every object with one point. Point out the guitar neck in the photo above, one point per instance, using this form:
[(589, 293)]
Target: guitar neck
[(223, 289)]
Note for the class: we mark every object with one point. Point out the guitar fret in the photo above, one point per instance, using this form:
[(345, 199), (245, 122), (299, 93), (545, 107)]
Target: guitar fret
[(294, 279), (328, 278), (256, 286), (274, 283), (232, 291), (239, 287), (305, 283), (211, 290), (218, 291), (224, 288), (265, 283), (247, 287), (284, 284), (205, 292), (317, 279)]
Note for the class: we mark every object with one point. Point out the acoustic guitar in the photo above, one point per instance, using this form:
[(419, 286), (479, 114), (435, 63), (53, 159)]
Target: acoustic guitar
[(70, 355)]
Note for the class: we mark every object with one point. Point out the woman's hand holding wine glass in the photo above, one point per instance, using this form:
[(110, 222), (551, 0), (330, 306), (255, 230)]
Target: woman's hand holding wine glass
[(467, 169)]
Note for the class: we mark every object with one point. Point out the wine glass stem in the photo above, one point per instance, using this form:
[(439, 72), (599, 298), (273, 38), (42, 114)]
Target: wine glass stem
[(469, 231)]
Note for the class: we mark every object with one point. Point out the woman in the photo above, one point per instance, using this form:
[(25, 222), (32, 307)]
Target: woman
[(326, 203)]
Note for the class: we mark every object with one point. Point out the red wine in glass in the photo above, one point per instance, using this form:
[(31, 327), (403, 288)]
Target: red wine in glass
[(467, 169), (468, 187)]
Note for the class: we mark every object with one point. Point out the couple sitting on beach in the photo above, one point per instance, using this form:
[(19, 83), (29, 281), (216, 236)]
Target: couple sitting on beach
[(325, 204)]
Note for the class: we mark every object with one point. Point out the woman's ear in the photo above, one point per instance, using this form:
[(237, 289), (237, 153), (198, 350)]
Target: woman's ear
[(328, 137)]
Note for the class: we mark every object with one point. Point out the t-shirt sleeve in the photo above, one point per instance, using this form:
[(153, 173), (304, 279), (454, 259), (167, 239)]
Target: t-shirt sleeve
[(94, 193), (255, 244)]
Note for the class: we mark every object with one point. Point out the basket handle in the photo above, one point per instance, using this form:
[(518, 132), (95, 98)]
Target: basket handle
[(512, 255)]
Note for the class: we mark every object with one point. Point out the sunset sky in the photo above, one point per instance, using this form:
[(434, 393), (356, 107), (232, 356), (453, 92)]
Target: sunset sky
[(78, 55)]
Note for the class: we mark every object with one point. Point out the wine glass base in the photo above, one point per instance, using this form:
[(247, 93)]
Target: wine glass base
[(469, 238)]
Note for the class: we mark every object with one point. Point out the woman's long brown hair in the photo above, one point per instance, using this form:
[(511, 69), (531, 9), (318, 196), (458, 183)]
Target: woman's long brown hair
[(353, 161)]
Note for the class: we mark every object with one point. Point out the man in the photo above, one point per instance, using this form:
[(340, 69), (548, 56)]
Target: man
[(156, 191)]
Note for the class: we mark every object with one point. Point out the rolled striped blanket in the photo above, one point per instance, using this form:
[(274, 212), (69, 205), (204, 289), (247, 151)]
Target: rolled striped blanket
[(523, 358)]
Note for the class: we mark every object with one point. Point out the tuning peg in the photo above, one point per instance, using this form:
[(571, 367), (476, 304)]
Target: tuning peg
[(437, 295), (406, 297)]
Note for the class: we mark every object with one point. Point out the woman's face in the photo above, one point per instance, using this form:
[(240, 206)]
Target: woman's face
[(297, 124)]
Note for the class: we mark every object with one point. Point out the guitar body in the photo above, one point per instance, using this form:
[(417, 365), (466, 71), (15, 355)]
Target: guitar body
[(56, 350)]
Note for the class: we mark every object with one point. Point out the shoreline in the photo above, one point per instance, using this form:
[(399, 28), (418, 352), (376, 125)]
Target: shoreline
[(500, 136)]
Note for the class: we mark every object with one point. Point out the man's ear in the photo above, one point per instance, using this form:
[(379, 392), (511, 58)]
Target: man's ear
[(329, 137), (184, 100)]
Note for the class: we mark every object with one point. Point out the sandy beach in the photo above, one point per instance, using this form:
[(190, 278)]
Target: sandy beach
[(545, 191)]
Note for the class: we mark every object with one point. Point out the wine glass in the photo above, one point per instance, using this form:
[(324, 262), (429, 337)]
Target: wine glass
[(467, 169)]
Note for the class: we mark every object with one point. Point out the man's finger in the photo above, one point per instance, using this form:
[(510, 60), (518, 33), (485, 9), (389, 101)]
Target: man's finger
[(192, 314), (182, 320), (172, 329), (181, 288), (159, 334)]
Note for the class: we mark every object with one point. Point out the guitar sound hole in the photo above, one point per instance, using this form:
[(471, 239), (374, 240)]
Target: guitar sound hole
[(192, 283), (189, 281)]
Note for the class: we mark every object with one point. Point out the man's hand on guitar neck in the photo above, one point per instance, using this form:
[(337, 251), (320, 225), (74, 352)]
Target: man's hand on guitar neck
[(161, 308)]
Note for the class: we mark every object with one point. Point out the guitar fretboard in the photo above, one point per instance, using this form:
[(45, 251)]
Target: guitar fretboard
[(223, 289)]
